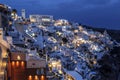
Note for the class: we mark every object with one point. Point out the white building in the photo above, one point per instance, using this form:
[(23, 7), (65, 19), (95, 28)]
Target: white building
[(61, 22), (23, 13), (45, 20)]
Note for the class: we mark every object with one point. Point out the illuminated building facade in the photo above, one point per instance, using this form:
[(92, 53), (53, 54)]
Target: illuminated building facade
[(23, 67), (45, 20), (61, 22)]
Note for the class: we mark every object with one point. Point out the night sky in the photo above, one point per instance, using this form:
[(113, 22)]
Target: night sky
[(96, 13)]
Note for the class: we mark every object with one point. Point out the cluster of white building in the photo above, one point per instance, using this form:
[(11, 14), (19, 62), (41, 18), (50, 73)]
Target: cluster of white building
[(77, 47), (69, 49)]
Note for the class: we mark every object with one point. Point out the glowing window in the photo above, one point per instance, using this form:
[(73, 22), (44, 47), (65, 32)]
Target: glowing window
[(18, 57)]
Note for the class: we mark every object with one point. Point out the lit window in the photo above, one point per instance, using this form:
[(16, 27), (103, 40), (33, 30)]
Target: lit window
[(18, 57), (45, 19)]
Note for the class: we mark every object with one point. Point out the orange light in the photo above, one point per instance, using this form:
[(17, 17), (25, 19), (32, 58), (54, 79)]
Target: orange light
[(30, 77), (42, 77), (17, 63), (36, 77), (13, 63), (22, 64)]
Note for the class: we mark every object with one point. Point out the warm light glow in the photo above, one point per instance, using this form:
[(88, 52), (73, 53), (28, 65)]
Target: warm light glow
[(55, 65), (13, 63), (59, 33), (22, 64), (42, 77), (69, 79), (17, 63), (18, 57), (32, 20), (30, 77), (60, 71), (36, 77), (50, 65), (76, 31), (94, 62)]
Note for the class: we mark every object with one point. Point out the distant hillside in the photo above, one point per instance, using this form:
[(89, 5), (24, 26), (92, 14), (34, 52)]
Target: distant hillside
[(115, 34), (110, 64)]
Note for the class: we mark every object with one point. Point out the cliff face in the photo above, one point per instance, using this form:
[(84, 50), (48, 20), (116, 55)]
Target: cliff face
[(110, 64), (115, 34)]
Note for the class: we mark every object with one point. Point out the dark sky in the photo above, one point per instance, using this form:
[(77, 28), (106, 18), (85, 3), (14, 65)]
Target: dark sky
[(97, 13)]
